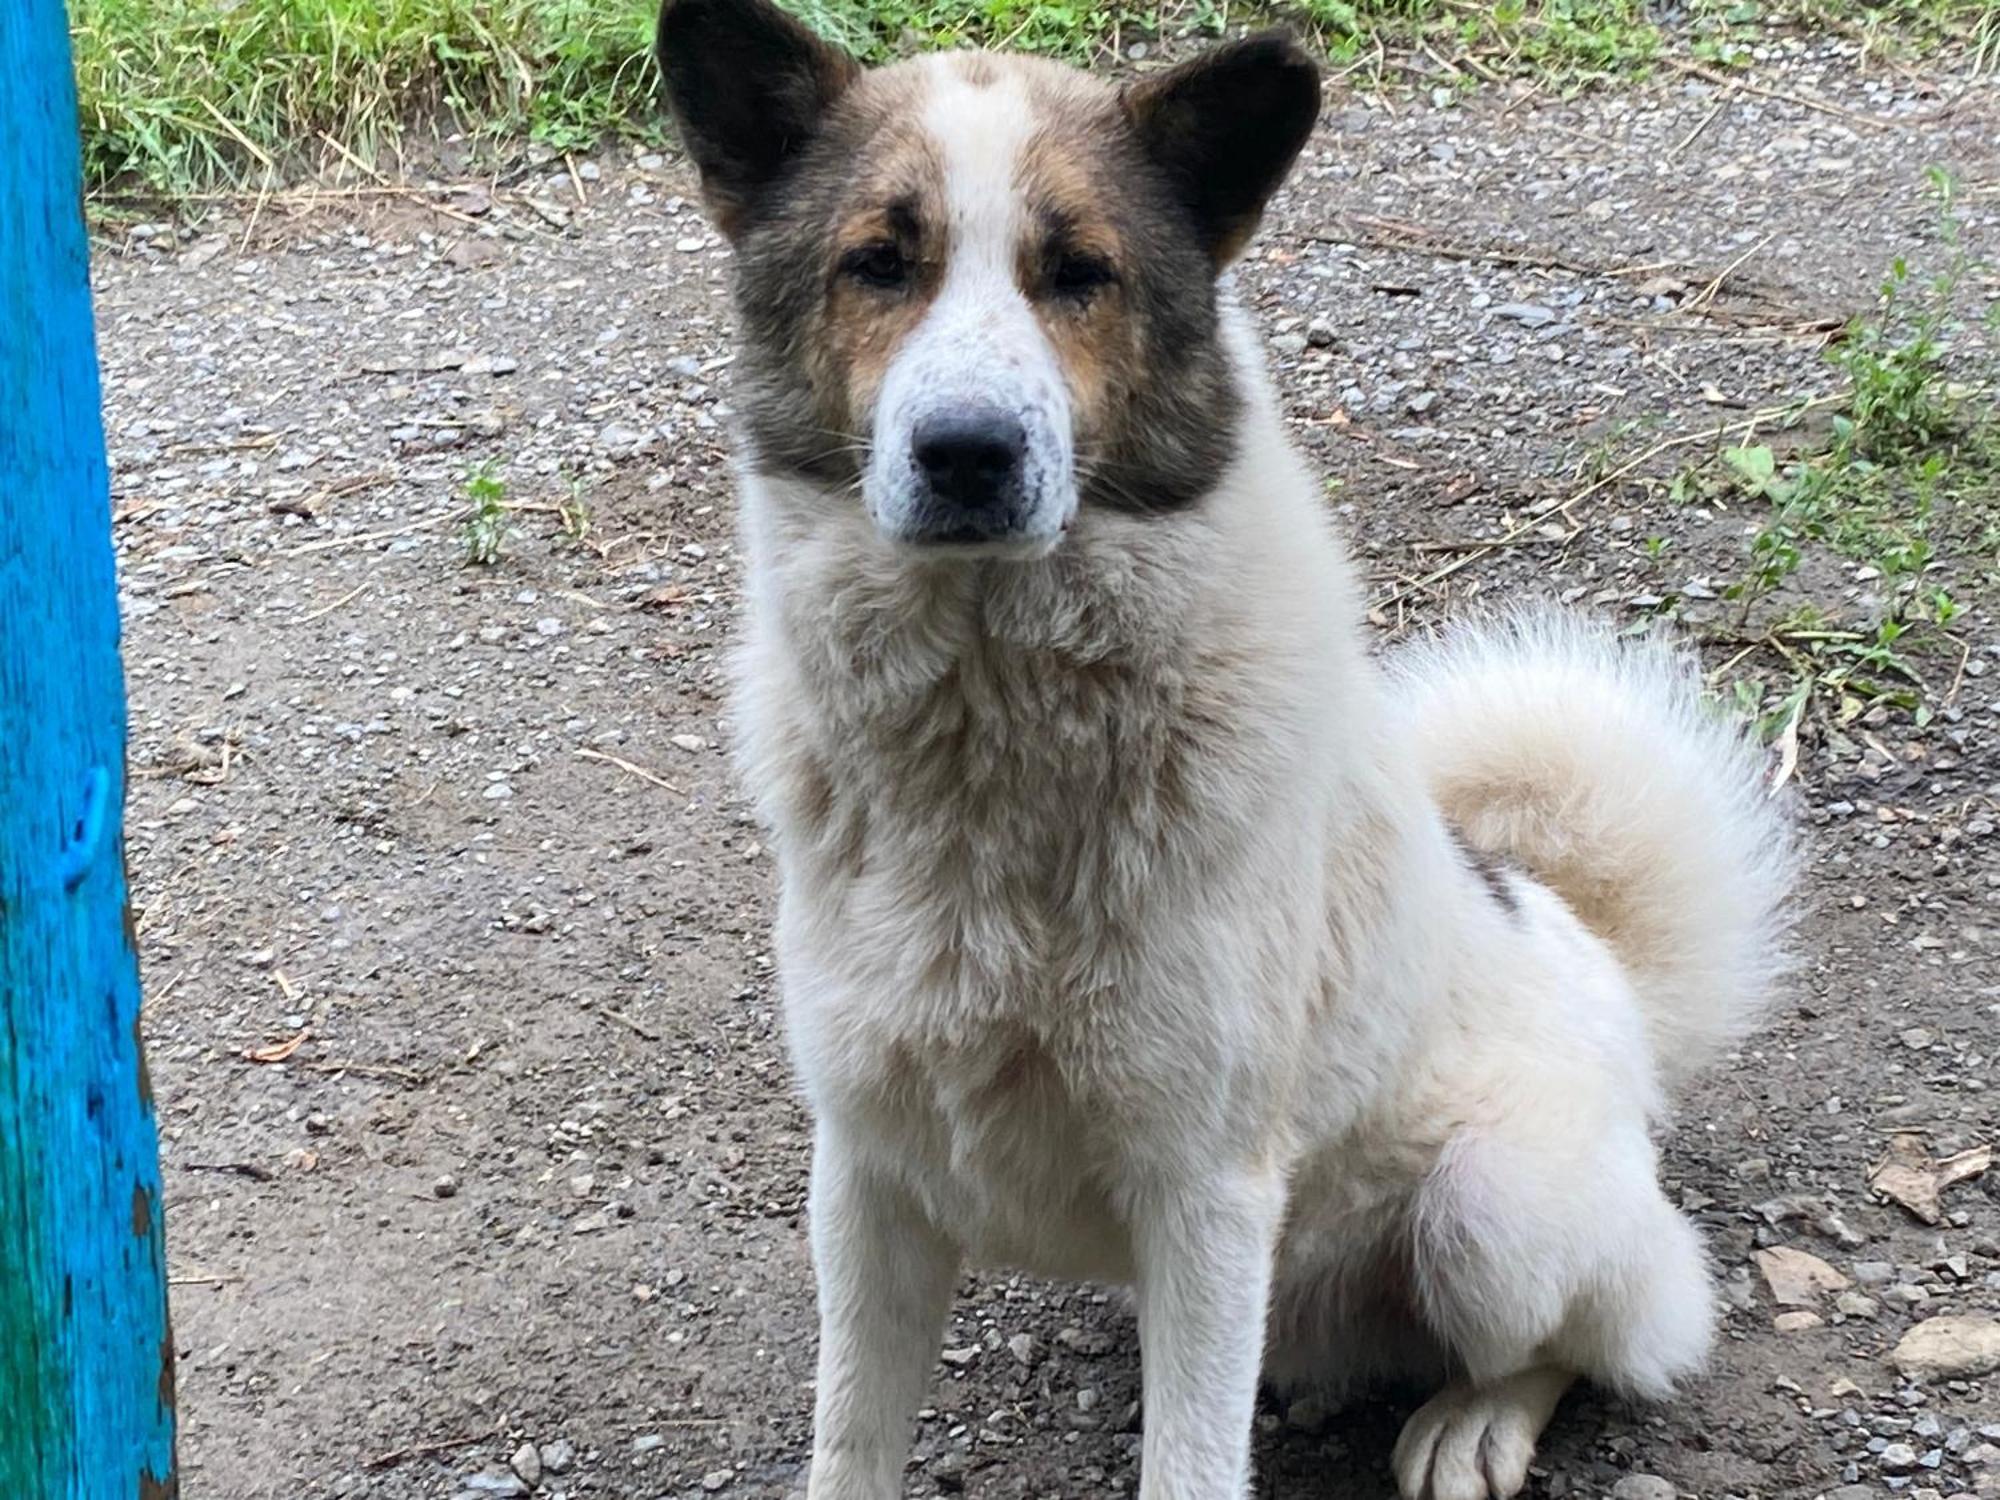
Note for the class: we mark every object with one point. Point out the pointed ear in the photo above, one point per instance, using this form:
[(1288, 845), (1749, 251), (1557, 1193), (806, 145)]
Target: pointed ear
[(748, 85), (1225, 129)]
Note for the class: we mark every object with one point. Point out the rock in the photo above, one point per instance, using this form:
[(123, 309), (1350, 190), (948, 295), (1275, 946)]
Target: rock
[(1320, 334), (1308, 1414), (1290, 343), (948, 1471), (1530, 314), (717, 1479), (1089, 1345), (1855, 1305), (648, 1443), (445, 1187), (505, 1486), (1797, 1321), (527, 1462), (1643, 1487), (618, 436), (558, 1457), (1898, 1458), (1022, 1347), (960, 1359), (1949, 1348), (1422, 402), (1874, 1272), (692, 743), (1797, 1279)]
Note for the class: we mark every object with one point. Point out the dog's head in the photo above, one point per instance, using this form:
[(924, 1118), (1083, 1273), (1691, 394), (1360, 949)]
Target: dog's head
[(978, 292)]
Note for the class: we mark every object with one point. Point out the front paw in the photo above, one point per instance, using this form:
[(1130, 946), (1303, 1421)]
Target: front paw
[(1467, 1443), (843, 1477)]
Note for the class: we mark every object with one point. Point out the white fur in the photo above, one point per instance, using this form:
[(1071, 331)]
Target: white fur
[(1123, 937), (979, 342)]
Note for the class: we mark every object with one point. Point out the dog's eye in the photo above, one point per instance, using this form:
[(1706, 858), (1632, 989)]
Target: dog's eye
[(1077, 277), (880, 265)]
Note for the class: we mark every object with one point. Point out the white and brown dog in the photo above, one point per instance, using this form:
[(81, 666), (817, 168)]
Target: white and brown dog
[(1134, 926)]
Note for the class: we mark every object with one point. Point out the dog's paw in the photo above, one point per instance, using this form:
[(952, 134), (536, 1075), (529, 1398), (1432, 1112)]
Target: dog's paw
[(1474, 1442)]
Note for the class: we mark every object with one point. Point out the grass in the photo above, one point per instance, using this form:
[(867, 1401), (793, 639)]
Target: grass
[(1903, 486), (183, 95)]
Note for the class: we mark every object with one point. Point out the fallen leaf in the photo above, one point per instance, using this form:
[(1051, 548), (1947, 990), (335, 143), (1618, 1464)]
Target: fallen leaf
[(277, 1052), (1908, 1175), (1797, 1279), (1965, 1166)]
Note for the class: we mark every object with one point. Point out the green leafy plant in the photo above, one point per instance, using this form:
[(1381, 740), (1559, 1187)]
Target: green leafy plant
[(489, 527), (1905, 458)]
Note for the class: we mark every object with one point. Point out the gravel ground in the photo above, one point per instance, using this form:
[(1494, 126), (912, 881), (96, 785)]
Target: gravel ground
[(484, 1171)]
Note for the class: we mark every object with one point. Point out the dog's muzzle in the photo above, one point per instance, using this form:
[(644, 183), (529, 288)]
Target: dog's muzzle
[(970, 464)]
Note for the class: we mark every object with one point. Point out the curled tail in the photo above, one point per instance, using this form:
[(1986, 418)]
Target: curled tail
[(1590, 761)]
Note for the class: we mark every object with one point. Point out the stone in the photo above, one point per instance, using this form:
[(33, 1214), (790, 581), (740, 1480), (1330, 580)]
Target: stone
[(1797, 1321), (1949, 1348), (527, 1462), (1797, 1279), (1855, 1305), (1643, 1487), (504, 1486)]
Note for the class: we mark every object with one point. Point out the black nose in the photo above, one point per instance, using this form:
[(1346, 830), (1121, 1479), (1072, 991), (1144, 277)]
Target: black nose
[(971, 458)]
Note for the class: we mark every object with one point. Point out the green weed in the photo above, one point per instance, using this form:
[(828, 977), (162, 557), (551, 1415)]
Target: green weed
[(489, 527), (573, 514), (1906, 470)]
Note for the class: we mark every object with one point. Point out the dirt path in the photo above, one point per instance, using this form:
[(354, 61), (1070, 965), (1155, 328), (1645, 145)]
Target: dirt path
[(478, 1129)]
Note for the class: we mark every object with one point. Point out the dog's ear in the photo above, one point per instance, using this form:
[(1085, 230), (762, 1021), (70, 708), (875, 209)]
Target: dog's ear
[(1225, 129), (748, 86)]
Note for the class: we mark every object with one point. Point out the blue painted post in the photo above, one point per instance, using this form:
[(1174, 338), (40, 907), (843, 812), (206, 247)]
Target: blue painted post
[(86, 1360)]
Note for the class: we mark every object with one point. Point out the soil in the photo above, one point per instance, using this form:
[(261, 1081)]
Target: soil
[(477, 1123)]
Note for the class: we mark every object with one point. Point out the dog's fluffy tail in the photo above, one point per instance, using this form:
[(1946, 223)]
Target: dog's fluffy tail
[(1591, 762)]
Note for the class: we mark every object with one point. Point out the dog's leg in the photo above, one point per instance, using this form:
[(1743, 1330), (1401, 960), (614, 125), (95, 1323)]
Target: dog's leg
[(1473, 1442), (1204, 1276), (885, 1282)]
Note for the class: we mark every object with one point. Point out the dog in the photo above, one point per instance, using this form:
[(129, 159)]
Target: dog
[(1134, 924)]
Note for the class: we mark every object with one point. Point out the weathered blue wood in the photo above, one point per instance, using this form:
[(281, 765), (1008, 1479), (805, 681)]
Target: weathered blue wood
[(86, 1371)]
